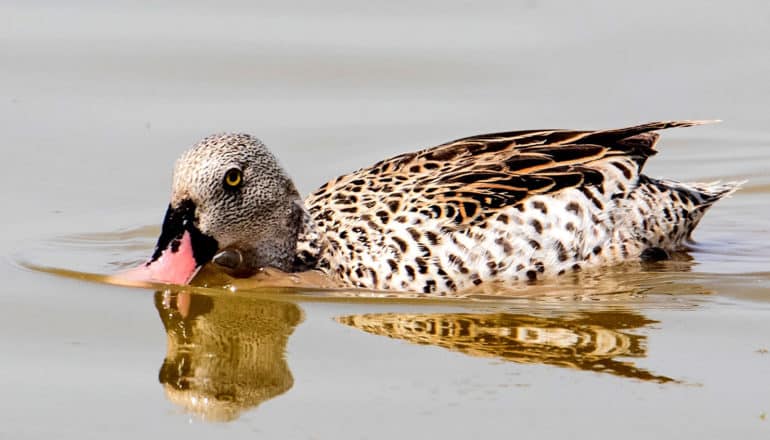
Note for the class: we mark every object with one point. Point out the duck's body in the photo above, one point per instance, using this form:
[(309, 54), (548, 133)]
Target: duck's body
[(500, 207), (506, 207)]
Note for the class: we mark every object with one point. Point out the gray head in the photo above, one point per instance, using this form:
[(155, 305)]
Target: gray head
[(236, 202)]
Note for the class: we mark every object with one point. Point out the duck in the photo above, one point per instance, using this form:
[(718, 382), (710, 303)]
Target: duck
[(510, 207)]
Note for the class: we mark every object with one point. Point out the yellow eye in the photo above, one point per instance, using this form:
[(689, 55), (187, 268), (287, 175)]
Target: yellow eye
[(233, 178)]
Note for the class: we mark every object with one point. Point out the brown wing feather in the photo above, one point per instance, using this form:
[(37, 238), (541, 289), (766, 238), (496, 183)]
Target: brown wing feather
[(468, 179)]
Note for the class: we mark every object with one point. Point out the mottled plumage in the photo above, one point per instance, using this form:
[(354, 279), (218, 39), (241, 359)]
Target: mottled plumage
[(507, 207)]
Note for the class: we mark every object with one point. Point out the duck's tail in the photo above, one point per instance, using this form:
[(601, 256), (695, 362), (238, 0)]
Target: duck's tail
[(711, 192), (677, 208)]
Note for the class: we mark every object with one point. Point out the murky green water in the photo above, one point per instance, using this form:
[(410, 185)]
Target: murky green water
[(99, 99)]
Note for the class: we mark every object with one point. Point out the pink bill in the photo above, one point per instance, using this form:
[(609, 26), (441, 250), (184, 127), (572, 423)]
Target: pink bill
[(176, 265)]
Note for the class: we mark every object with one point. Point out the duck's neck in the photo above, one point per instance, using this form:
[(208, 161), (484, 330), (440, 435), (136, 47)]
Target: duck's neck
[(309, 245)]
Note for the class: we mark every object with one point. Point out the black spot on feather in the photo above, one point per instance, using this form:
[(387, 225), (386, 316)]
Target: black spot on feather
[(537, 225), (522, 162), (623, 168), (401, 243), (470, 209), (541, 206), (384, 217), (574, 208)]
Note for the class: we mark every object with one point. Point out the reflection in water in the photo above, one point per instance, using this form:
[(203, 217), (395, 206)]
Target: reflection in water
[(590, 341), (225, 354)]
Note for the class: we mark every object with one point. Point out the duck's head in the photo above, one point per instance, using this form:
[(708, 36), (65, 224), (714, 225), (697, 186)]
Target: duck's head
[(230, 201)]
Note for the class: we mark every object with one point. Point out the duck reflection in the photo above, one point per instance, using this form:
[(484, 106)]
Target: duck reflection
[(225, 354), (591, 341)]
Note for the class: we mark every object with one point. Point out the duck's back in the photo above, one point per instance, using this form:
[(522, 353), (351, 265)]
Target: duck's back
[(501, 207)]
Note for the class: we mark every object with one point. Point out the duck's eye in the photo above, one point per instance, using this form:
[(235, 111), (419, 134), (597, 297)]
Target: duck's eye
[(233, 178)]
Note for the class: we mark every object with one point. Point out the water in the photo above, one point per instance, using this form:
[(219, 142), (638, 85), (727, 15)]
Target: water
[(99, 99)]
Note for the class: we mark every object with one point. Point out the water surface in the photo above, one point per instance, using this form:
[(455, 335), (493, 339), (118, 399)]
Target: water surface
[(99, 99)]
